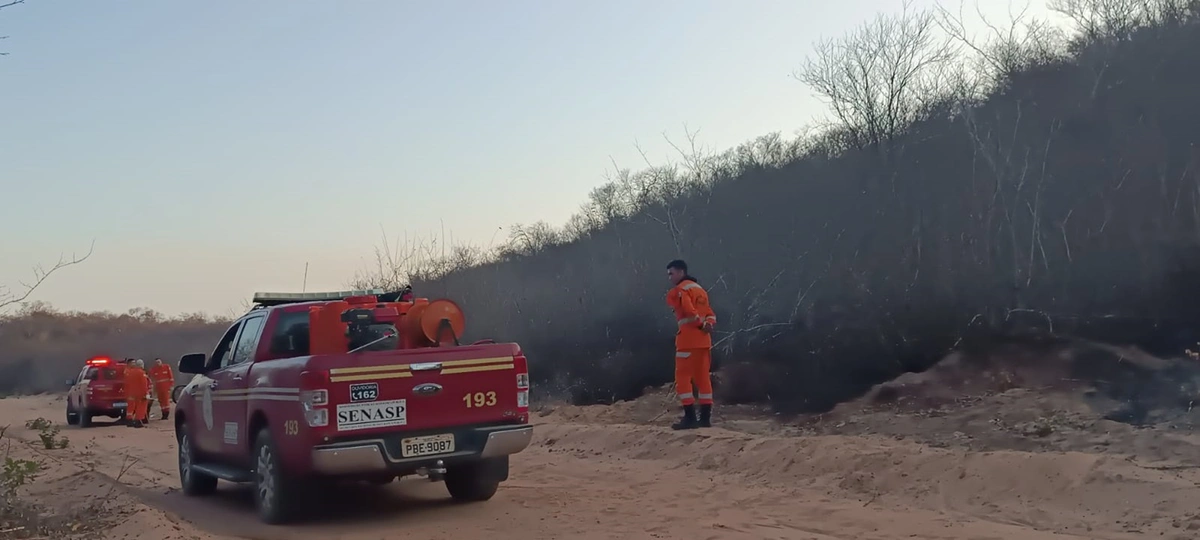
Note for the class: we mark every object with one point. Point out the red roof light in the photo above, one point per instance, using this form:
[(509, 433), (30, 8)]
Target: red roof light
[(99, 361)]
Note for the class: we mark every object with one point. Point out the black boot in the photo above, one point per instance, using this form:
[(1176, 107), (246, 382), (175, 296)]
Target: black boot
[(706, 415), (166, 415), (689, 419)]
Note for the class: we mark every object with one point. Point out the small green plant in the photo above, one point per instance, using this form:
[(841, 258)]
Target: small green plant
[(16, 473), (51, 440), (48, 433), (38, 423)]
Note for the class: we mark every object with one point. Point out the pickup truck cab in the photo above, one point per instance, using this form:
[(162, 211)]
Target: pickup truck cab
[(292, 397), (98, 390)]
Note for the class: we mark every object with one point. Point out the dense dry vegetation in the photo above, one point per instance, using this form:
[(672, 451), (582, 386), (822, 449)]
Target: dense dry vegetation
[(41, 347), (963, 189)]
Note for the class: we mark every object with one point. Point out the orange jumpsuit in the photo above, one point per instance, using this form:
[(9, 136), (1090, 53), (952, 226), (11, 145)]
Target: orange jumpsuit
[(137, 392), (693, 344), (164, 381)]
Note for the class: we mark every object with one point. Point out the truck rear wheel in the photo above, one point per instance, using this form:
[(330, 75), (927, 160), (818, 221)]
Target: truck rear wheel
[(476, 481), (277, 496), (193, 482), (72, 416), (85, 418)]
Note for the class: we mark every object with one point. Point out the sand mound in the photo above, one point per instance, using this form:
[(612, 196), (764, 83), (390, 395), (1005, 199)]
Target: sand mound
[(1102, 372), (1073, 396), (1059, 396), (75, 493), (93, 502), (1016, 487)]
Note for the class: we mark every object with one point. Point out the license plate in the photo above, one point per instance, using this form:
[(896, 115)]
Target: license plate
[(119, 405), (427, 446)]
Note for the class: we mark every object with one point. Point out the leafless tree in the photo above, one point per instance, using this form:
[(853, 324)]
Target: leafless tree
[(409, 260), (1004, 49), (583, 222), (1096, 19), (9, 297), (530, 239), (1118, 19), (877, 78), (398, 263)]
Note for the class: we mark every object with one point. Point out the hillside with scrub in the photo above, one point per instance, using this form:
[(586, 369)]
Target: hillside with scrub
[(966, 188)]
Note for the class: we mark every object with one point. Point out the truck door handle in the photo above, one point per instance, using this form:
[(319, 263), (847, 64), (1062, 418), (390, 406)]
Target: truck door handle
[(237, 377), (213, 385)]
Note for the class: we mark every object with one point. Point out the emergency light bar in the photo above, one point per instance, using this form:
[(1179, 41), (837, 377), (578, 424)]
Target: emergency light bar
[(265, 298), (99, 361)]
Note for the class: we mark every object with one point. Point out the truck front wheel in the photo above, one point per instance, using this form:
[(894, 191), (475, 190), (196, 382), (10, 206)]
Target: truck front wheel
[(476, 481), (192, 481), (72, 416), (277, 495)]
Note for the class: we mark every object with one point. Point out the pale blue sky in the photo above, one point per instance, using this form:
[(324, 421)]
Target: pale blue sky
[(212, 148)]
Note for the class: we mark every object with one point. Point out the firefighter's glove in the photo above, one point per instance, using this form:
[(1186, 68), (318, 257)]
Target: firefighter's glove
[(707, 326)]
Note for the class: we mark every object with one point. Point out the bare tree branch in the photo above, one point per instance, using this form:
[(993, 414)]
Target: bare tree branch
[(878, 78), (1005, 50), (1099, 19), (2, 53), (40, 275)]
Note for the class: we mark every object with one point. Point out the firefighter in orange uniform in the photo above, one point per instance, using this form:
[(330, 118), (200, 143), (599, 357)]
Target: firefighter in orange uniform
[(164, 380), (137, 394), (694, 320)]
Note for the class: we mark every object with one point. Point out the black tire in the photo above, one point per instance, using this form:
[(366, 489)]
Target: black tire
[(193, 482), (175, 392), (85, 418), (278, 496), (473, 482), (72, 416)]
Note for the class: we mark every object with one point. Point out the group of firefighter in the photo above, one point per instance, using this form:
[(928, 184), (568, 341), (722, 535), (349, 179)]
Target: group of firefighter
[(694, 319), (142, 386)]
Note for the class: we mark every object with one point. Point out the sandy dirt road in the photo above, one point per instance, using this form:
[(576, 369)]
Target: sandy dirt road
[(610, 480)]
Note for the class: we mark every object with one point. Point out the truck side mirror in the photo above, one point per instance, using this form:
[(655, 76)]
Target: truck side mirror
[(193, 363), (70, 383)]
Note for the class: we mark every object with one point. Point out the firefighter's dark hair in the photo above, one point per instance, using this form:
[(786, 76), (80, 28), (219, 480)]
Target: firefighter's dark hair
[(678, 264)]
